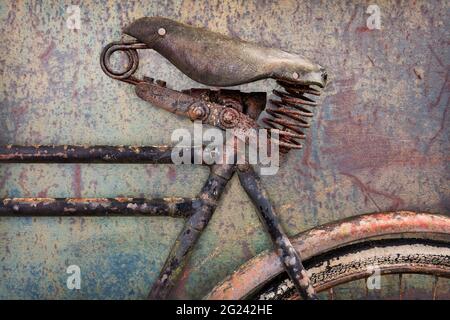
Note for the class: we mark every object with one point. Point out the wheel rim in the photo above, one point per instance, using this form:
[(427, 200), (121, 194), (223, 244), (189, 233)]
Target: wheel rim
[(264, 267), (356, 262)]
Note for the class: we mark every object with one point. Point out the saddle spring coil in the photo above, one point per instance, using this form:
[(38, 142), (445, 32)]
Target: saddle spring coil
[(130, 49), (290, 114)]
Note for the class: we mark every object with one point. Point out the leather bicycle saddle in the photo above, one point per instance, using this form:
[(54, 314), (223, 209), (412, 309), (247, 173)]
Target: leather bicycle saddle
[(217, 60)]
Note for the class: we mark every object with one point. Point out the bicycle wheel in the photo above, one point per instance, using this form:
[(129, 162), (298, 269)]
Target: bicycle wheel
[(369, 259), (344, 251)]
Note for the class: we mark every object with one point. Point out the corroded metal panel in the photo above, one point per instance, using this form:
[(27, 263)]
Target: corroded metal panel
[(379, 140)]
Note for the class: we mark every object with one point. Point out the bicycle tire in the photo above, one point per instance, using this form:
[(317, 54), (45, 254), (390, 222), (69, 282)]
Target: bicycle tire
[(265, 267), (358, 261)]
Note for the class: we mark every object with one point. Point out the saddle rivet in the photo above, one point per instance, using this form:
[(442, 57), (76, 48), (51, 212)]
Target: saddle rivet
[(161, 31), (295, 75)]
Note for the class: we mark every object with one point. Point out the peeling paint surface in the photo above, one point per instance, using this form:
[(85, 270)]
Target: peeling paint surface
[(379, 140)]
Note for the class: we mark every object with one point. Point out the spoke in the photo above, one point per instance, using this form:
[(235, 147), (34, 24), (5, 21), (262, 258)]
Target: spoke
[(367, 288), (436, 279), (400, 286), (331, 294)]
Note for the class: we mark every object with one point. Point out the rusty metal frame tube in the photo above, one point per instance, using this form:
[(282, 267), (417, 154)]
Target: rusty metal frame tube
[(60, 207), (193, 228), (89, 154), (289, 257)]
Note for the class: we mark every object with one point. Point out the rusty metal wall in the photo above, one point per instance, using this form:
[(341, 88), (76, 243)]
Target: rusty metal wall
[(379, 139)]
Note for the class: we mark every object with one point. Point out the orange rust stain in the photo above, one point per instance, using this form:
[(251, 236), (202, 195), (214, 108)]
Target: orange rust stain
[(46, 54), (362, 29)]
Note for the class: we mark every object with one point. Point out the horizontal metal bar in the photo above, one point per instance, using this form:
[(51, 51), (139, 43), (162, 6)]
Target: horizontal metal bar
[(174, 207), (89, 154)]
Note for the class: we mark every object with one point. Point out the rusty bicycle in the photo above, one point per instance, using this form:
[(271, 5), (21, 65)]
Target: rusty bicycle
[(306, 266)]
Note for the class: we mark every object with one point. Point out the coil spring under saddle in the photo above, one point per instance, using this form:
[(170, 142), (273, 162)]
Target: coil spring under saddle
[(130, 49), (290, 115)]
